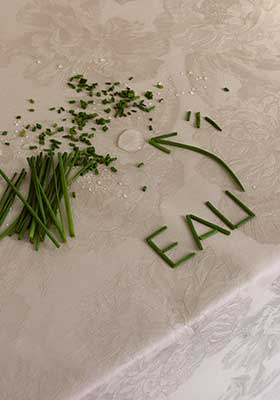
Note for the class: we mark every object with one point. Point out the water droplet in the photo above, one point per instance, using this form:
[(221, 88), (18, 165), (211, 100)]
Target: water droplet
[(204, 87), (200, 77), (60, 66), (131, 140), (125, 196), (191, 92), (90, 189), (98, 182), (102, 59), (197, 78), (181, 73), (205, 78), (190, 72), (177, 94), (254, 187), (120, 183), (182, 92), (38, 61)]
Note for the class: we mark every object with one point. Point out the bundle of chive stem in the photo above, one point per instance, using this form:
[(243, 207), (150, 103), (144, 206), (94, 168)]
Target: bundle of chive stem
[(47, 208)]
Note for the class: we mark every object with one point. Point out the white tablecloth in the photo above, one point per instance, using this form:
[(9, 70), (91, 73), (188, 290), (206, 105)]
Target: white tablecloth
[(104, 318)]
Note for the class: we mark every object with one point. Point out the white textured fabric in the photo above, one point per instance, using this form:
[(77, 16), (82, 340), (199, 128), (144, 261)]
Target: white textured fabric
[(103, 318)]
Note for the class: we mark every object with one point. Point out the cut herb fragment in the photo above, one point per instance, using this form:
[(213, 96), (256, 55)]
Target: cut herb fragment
[(225, 89), (149, 95), (188, 115), (159, 85), (213, 123), (197, 120), (140, 165), (144, 188)]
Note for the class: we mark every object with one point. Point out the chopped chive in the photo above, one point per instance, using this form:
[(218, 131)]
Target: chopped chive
[(159, 85), (144, 189), (7, 143), (33, 147), (31, 101), (22, 133), (225, 89), (31, 109), (52, 108), (18, 117), (213, 123), (113, 169), (73, 194), (130, 78), (150, 127), (197, 119), (4, 133), (140, 165), (149, 95), (188, 115)]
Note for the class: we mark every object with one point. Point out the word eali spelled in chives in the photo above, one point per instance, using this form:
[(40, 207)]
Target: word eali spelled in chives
[(214, 229)]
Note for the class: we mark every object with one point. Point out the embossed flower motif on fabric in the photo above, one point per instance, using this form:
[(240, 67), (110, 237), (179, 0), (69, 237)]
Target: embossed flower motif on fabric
[(250, 143), (74, 36), (206, 22)]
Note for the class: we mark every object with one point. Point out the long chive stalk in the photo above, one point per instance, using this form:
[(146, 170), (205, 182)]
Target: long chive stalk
[(30, 209), (193, 231), (6, 192), (66, 196), (201, 151), (10, 200), (47, 202), (159, 147), (9, 230)]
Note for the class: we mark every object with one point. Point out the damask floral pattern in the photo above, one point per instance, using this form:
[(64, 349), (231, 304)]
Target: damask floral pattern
[(74, 36)]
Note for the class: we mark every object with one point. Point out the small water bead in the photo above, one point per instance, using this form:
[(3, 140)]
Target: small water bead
[(124, 196), (254, 187), (190, 72), (120, 183), (204, 87), (193, 89), (191, 92), (102, 59), (182, 92), (177, 94), (60, 66), (38, 61), (205, 78), (98, 182), (131, 140)]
